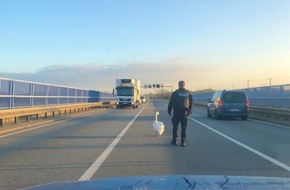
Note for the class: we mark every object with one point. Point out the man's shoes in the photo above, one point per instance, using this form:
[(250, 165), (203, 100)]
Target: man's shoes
[(174, 142), (183, 144)]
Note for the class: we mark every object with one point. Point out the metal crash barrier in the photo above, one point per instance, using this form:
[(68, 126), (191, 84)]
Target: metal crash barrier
[(271, 114), (266, 96), (25, 100), (27, 114)]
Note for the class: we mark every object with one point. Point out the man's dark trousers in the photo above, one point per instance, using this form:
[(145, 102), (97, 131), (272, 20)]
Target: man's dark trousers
[(179, 116)]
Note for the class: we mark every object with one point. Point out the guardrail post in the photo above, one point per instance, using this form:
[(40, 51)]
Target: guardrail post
[(45, 114), (2, 122), (15, 120), (53, 114), (37, 116), (27, 118)]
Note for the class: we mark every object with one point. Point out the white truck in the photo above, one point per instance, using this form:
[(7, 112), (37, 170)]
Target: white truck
[(128, 93)]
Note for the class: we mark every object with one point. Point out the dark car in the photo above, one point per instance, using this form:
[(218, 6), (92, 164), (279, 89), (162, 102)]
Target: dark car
[(228, 104)]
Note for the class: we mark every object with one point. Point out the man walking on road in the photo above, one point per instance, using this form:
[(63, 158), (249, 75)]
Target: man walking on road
[(181, 103)]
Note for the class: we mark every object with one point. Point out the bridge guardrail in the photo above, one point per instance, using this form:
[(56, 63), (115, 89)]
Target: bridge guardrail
[(14, 114), (265, 96), (271, 114), (16, 94)]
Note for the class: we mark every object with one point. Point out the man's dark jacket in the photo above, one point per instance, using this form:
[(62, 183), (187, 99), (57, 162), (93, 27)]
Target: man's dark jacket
[(180, 100)]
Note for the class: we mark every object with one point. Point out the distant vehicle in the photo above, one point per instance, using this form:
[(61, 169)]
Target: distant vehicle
[(228, 104), (128, 93), (143, 99)]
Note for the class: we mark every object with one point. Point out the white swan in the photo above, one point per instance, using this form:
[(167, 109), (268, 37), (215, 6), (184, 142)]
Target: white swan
[(158, 126)]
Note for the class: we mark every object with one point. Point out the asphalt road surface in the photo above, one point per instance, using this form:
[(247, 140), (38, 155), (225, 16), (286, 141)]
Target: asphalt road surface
[(121, 142)]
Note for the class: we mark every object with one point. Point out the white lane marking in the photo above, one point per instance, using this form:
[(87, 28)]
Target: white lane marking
[(274, 161), (99, 161), (265, 122), (52, 123), (163, 104)]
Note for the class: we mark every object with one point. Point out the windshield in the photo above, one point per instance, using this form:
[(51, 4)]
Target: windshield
[(93, 89), (125, 91)]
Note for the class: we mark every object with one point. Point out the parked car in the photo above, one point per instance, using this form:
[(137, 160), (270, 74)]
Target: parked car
[(228, 104)]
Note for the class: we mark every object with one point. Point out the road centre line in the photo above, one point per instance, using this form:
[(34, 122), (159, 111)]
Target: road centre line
[(274, 161), (99, 161)]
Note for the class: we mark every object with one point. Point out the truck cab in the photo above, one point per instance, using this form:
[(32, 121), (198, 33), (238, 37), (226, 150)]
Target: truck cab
[(128, 93)]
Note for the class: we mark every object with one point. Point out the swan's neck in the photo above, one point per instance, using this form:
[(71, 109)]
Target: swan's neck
[(156, 116)]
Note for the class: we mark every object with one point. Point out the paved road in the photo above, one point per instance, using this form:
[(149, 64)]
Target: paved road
[(121, 142)]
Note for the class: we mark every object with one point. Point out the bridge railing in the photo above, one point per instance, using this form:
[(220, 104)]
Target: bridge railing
[(23, 94), (26, 99), (268, 96), (270, 103)]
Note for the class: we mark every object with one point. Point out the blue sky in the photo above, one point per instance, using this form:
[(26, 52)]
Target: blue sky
[(241, 39)]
